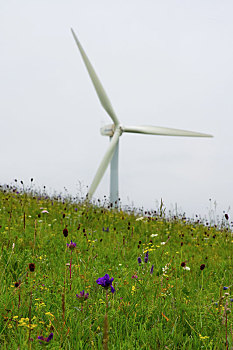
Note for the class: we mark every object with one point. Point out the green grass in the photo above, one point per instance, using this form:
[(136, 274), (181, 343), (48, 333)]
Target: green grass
[(171, 308)]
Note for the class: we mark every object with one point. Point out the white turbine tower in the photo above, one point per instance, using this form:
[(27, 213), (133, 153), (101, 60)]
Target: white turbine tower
[(115, 130)]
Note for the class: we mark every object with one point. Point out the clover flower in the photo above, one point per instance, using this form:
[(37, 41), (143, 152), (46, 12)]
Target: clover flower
[(105, 282), (82, 296), (47, 340), (71, 245)]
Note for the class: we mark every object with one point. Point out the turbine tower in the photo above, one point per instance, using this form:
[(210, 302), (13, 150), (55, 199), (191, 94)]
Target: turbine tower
[(115, 130)]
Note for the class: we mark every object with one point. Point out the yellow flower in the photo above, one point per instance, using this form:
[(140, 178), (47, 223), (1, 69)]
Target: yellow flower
[(203, 338), (49, 314)]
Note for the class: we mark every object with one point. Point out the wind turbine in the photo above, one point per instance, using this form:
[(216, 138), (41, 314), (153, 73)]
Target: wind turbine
[(115, 130)]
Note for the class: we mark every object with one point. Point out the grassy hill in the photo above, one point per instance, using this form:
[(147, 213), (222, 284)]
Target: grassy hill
[(172, 278)]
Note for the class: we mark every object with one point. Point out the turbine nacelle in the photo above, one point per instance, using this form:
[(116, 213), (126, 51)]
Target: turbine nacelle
[(108, 130)]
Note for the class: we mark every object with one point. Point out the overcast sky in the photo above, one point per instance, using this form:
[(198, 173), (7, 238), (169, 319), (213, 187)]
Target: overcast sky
[(163, 63)]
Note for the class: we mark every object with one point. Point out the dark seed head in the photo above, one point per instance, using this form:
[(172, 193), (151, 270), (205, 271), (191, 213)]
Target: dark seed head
[(32, 267), (65, 232), (202, 266), (183, 264)]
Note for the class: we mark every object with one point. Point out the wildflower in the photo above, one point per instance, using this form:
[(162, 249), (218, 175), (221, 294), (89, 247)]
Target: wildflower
[(65, 232), (49, 314), (17, 284), (202, 266), (134, 276), (154, 235), (139, 219), (32, 267), (183, 264), (146, 257), (82, 296), (44, 211), (225, 288), (47, 340), (152, 268), (162, 243), (165, 269), (139, 260), (71, 245), (105, 282), (231, 300), (106, 230), (186, 268)]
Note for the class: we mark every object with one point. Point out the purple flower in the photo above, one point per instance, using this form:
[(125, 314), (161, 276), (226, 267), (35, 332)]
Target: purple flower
[(107, 229), (46, 339), (225, 288), (139, 260), (152, 268), (71, 245), (146, 257), (134, 276), (82, 296), (105, 282), (231, 300)]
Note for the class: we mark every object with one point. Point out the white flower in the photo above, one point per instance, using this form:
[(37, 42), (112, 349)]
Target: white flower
[(139, 219), (186, 268), (162, 243), (154, 235)]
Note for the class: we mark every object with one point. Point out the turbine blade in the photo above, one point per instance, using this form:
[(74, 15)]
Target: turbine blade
[(104, 164), (96, 82), (157, 130)]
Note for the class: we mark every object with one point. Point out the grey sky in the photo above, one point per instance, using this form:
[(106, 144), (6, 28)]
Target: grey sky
[(163, 63)]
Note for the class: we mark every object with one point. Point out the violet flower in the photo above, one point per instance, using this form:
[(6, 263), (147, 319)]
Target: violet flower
[(71, 245), (105, 282), (139, 260), (47, 340), (82, 296), (152, 268), (146, 257)]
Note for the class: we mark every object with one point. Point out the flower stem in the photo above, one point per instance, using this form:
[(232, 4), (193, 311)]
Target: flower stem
[(70, 267)]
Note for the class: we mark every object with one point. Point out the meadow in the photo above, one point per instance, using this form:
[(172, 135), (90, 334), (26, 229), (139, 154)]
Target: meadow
[(82, 276)]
